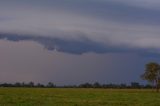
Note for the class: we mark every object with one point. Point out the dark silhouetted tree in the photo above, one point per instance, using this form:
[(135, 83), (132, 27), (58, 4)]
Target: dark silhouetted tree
[(51, 85), (86, 85), (40, 85), (31, 84), (135, 85), (17, 84), (96, 85), (152, 74)]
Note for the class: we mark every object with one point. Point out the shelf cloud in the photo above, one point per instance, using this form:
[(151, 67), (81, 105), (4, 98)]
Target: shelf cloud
[(119, 24)]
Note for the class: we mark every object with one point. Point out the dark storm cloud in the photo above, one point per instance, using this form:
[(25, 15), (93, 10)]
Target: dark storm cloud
[(62, 45), (118, 24), (74, 46)]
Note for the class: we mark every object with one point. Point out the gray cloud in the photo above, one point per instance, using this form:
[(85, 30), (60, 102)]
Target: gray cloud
[(80, 46), (151, 4), (113, 24)]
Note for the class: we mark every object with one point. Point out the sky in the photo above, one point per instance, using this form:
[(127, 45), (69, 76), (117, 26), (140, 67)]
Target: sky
[(78, 41)]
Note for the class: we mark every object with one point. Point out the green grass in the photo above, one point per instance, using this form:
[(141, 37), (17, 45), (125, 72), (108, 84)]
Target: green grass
[(77, 97)]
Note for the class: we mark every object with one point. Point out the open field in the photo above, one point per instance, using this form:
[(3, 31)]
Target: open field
[(77, 97)]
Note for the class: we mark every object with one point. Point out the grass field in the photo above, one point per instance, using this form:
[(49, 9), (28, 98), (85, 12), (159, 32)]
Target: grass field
[(77, 97)]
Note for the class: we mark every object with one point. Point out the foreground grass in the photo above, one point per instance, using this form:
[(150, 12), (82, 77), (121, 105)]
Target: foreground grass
[(77, 97)]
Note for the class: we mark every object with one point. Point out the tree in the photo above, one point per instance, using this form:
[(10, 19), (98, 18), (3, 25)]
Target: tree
[(17, 84), (152, 74), (31, 84), (40, 85), (135, 85), (96, 85), (51, 85), (86, 85)]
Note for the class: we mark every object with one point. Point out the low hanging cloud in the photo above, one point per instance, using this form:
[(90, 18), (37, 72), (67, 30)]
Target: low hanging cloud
[(77, 46), (61, 45), (98, 26)]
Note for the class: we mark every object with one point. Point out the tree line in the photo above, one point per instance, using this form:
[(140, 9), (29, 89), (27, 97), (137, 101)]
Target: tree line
[(132, 85), (151, 74)]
